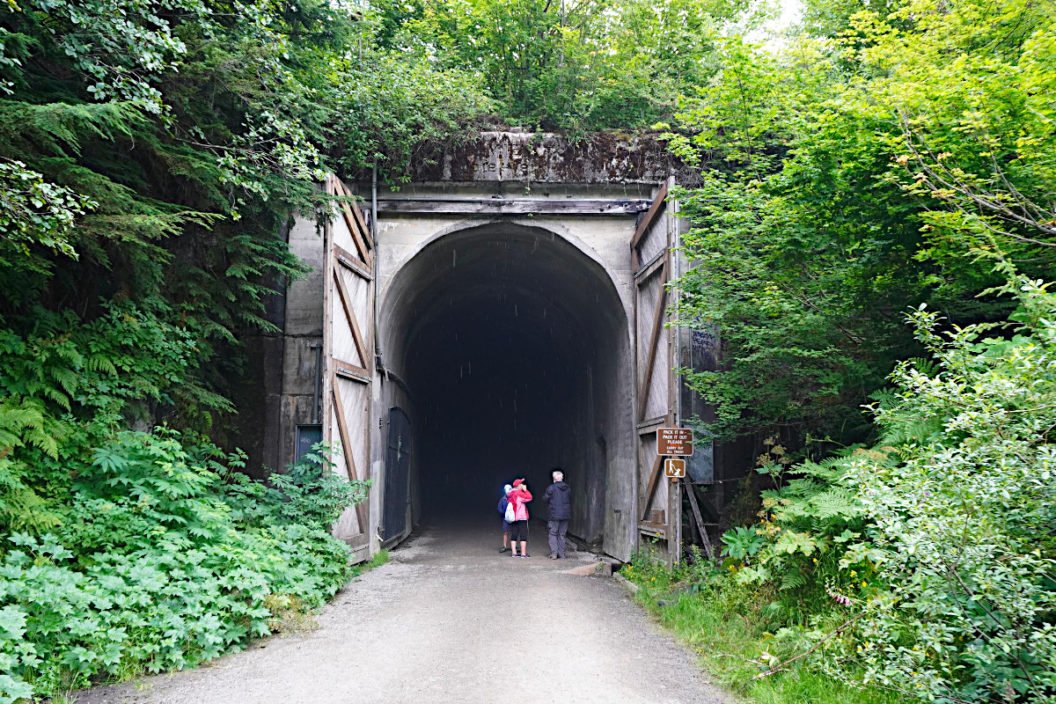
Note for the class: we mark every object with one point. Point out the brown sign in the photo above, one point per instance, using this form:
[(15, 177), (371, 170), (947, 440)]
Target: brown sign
[(674, 468), (674, 441)]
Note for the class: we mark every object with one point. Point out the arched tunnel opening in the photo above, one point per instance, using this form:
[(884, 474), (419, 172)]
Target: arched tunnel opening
[(512, 347)]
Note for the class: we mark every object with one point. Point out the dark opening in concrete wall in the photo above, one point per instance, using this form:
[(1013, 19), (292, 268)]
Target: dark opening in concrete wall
[(513, 346)]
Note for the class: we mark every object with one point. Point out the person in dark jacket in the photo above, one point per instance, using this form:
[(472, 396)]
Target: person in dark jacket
[(558, 498), (503, 502)]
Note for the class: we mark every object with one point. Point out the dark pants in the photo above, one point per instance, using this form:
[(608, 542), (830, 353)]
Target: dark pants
[(519, 531), (556, 534)]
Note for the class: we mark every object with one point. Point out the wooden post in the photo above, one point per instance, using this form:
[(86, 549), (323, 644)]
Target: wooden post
[(699, 520)]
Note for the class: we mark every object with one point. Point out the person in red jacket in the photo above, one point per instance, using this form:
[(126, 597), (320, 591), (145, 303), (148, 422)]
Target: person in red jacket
[(519, 498)]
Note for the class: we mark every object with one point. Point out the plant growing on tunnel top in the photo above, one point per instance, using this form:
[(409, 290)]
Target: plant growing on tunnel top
[(577, 64)]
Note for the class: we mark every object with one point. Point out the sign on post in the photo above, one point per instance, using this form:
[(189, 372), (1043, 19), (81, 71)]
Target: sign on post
[(674, 441), (674, 468)]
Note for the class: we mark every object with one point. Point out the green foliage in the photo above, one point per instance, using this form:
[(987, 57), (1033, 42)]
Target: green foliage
[(847, 179), (579, 64), (732, 627), (887, 166), (35, 212), (151, 155), (742, 543), (398, 103), (934, 549), (309, 492), (964, 515), (159, 565)]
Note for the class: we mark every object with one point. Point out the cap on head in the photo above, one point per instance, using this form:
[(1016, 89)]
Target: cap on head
[(517, 483), (508, 488)]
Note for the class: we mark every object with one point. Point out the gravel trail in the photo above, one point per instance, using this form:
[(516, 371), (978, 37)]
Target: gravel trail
[(448, 619)]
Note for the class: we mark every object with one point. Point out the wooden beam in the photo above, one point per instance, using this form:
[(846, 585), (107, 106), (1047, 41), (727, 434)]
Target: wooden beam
[(651, 267), (512, 206), (358, 214), (701, 528), (654, 340), (654, 479), (350, 315), (358, 542), (335, 187), (353, 229), (351, 371), (656, 530), (346, 451), (349, 261), (650, 216), (649, 426)]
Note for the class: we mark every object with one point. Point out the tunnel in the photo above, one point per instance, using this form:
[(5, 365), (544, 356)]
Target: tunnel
[(511, 346)]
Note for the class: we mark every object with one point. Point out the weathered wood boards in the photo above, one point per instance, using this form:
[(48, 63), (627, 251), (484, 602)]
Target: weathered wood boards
[(348, 346), (659, 503)]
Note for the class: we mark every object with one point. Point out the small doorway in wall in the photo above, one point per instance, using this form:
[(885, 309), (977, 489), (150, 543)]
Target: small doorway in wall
[(397, 475), (308, 435)]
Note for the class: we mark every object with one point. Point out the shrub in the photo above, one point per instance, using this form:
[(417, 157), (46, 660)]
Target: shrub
[(964, 502), (160, 566), (937, 544)]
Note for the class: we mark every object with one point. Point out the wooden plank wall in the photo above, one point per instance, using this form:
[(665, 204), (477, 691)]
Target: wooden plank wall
[(349, 351), (659, 502)]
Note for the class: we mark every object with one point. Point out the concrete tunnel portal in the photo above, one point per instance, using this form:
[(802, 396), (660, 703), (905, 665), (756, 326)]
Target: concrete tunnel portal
[(501, 313), (512, 346)]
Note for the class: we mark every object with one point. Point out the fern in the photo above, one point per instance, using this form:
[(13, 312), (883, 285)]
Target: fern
[(22, 508), (792, 579), (60, 128), (836, 502)]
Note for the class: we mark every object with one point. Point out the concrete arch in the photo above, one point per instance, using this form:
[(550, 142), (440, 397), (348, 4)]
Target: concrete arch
[(551, 228), (512, 346)]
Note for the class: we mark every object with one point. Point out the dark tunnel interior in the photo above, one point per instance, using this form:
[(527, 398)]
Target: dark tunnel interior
[(511, 343)]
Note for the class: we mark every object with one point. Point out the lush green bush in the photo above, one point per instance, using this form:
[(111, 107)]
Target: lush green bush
[(935, 549), (130, 551), (962, 495), (847, 178), (167, 558), (583, 65), (151, 154)]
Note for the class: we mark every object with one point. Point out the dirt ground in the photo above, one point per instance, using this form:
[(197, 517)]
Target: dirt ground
[(448, 619)]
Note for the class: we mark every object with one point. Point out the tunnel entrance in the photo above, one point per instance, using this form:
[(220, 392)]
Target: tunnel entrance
[(512, 347)]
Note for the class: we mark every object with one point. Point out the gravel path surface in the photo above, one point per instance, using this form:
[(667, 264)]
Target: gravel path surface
[(448, 619)]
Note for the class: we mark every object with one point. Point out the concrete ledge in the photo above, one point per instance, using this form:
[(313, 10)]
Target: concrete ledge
[(627, 584), (529, 157), (511, 206)]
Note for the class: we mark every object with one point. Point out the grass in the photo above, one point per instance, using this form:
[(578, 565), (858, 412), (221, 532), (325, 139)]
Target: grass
[(379, 559), (725, 629)]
